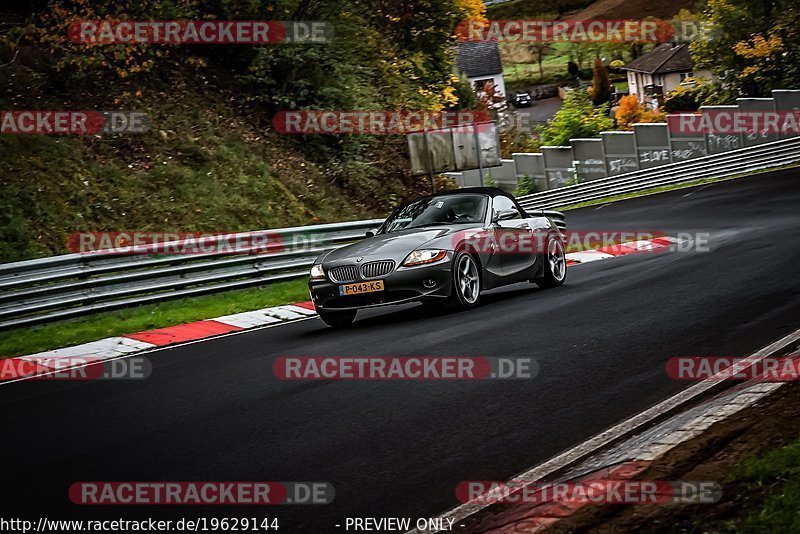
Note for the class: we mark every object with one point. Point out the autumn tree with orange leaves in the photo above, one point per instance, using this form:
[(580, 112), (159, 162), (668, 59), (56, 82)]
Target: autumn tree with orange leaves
[(630, 111)]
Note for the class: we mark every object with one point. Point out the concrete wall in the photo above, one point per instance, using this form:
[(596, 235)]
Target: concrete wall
[(652, 144), (531, 165), (558, 166), (588, 159), (504, 176), (620, 152), (647, 146)]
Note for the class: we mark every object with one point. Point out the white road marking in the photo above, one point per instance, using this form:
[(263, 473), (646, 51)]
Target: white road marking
[(696, 190), (162, 348), (586, 256), (247, 319)]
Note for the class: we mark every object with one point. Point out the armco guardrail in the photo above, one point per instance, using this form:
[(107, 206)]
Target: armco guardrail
[(726, 164), (70, 285)]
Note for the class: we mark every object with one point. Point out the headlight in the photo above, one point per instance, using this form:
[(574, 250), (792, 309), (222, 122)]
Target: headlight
[(317, 273), (422, 257)]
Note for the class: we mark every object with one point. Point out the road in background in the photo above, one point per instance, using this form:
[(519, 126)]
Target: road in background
[(539, 112), (213, 410)]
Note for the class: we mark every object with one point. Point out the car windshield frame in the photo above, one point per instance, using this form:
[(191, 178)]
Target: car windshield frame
[(430, 207)]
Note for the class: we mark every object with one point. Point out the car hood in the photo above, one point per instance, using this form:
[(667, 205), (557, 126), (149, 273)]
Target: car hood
[(395, 245)]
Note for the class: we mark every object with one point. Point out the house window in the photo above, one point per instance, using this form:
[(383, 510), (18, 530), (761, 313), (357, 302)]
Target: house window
[(685, 75), (481, 84)]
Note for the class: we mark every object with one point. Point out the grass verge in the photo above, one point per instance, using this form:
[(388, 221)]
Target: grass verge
[(28, 340), (775, 473)]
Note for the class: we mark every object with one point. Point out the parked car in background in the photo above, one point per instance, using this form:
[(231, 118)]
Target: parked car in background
[(522, 100)]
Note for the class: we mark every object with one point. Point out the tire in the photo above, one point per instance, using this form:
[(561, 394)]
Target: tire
[(555, 264), (466, 289), (338, 319)]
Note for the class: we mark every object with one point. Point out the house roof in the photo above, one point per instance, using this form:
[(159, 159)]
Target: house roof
[(479, 58), (664, 58)]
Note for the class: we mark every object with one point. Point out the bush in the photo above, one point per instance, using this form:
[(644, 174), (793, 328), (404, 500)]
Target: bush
[(576, 118), (685, 98), (525, 187)]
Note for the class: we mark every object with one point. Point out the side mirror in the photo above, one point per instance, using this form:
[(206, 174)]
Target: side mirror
[(504, 215), (371, 232)]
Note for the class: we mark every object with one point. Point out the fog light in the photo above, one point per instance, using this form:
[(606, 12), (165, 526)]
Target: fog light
[(429, 283)]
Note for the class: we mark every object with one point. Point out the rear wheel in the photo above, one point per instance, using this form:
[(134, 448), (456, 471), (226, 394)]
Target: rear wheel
[(466, 282), (338, 319), (555, 264)]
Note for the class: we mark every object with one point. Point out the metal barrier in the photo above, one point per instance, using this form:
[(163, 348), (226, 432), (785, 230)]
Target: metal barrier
[(726, 164), (70, 285)]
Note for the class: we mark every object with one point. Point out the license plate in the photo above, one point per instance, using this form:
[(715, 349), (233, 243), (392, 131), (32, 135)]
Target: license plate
[(361, 287)]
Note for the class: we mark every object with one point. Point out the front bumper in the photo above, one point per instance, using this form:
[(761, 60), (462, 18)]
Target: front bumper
[(405, 284)]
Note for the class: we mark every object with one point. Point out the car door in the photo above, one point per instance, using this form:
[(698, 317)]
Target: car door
[(514, 240)]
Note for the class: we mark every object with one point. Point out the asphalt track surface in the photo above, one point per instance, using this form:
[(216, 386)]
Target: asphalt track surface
[(214, 411)]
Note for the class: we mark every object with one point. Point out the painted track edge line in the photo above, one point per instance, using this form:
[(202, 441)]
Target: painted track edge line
[(160, 348)]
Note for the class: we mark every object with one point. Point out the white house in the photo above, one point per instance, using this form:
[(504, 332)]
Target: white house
[(480, 62), (660, 71)]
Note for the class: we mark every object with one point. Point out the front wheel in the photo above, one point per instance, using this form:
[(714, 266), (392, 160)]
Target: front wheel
[(338, 319), (466, 282), (555, 264)]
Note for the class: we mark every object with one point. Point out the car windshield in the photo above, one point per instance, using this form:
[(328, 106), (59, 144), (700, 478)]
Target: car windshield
[(433, 211)]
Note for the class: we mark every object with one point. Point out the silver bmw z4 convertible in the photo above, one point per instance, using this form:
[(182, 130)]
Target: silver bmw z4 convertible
[(444, 248)]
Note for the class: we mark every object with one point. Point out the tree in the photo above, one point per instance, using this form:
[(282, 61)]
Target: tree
[(601, 85), (630, 112), (540, 50), (749, 45), (683, 99), (573, 69), (465, 94)]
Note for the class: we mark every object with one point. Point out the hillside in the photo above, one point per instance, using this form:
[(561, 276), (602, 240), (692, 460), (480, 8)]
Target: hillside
[(212, 161), (633, 9), (206, 166)]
